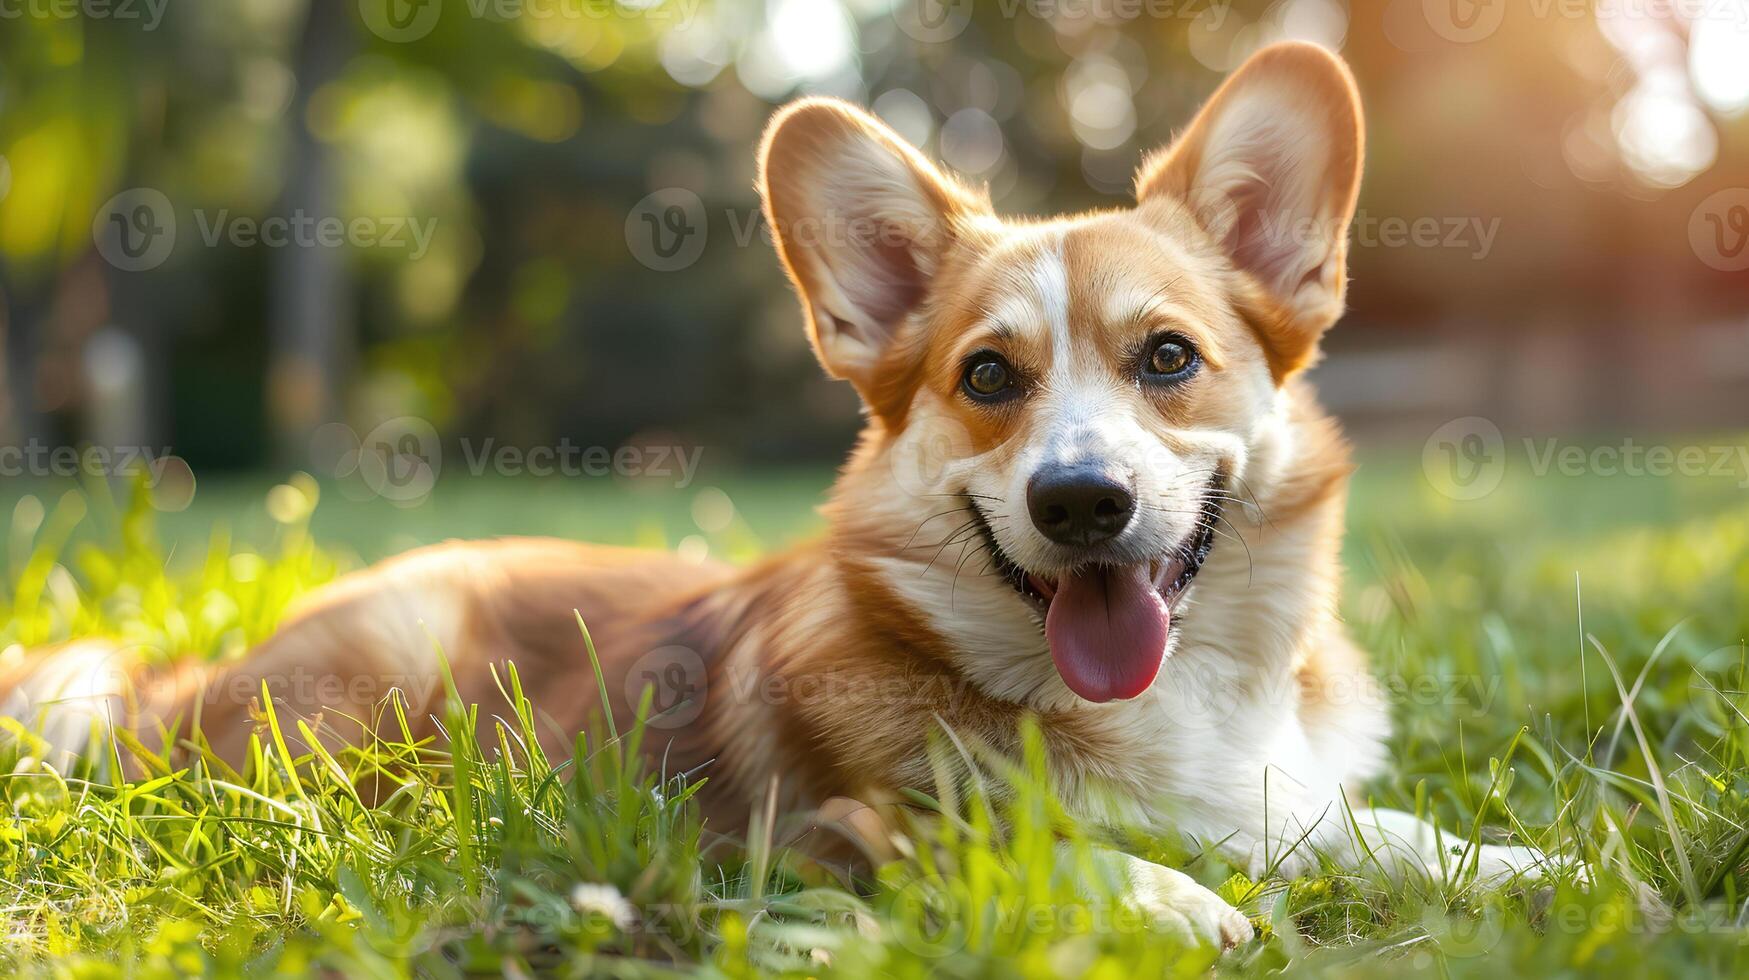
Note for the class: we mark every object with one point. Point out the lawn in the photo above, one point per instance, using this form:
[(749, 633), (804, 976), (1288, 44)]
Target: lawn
[(1564, 654)]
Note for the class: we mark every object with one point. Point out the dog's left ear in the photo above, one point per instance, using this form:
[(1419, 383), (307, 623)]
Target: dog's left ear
[(1271, 169)]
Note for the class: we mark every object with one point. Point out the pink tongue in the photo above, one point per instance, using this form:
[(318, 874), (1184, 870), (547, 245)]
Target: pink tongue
[(1107, 631)]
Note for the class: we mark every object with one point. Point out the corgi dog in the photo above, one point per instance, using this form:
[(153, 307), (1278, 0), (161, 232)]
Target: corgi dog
[(1094, 489)]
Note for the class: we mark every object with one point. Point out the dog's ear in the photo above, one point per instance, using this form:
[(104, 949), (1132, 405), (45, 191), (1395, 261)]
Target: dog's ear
[(1271, 169), (861, 221)]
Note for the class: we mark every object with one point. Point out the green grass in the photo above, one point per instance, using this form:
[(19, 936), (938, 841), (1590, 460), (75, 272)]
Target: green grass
[(491, 858)]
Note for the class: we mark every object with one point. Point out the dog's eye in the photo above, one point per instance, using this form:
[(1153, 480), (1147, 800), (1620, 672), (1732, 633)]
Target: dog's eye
[(988, 377), (1171, 359)]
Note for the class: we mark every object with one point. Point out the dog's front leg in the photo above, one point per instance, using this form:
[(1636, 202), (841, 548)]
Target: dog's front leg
[(1173, 902), (1170, 901), (1402, 843)]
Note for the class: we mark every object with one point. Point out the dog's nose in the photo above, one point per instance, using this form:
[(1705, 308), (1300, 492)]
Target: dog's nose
[(1078, 504)]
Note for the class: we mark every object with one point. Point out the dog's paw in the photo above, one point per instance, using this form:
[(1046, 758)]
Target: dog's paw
[(1499, 865), (1506, 865), (1175, 904), (1265, 861)]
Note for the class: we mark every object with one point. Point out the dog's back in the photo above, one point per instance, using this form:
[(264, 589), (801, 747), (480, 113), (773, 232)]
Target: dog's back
[(379, 633)]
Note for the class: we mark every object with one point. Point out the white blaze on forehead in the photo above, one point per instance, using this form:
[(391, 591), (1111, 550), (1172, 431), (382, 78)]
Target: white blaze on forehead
[(1080, 414), (1050, 277), (1034, 300)]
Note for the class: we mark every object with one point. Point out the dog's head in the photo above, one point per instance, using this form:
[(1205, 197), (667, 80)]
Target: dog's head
[(1059, 409)]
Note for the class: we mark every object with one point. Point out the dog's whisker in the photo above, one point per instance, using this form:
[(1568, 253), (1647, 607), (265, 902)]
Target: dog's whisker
[(953, 587), (1250, 563), (964, 533), (1253, 502), (919, 529), (943, 545), (965, 493)]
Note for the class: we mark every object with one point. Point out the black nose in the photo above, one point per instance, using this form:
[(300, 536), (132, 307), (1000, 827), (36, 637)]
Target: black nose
[(1078, 504)]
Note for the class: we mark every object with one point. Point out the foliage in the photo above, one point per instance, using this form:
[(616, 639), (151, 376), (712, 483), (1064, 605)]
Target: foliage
[(484, 856)]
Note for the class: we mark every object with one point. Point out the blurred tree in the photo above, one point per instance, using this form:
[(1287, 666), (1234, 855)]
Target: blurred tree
[(1578, 150)]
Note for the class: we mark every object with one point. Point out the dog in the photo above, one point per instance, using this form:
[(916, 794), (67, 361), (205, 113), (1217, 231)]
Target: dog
[(1094, 489)]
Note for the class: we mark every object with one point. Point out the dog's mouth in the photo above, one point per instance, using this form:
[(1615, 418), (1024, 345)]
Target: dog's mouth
[(1107, 623)]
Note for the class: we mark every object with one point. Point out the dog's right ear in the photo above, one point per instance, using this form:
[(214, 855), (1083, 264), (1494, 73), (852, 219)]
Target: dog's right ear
[(861, 221)]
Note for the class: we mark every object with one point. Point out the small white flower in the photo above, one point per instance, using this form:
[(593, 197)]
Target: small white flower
[(605, 901)]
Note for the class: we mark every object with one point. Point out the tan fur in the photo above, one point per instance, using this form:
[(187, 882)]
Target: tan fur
[(827, 669)]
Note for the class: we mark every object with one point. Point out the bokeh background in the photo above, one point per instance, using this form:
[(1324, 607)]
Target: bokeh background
[(531, 223)]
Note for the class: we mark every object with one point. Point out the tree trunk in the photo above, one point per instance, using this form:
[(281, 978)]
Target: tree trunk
[(309, 295)]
